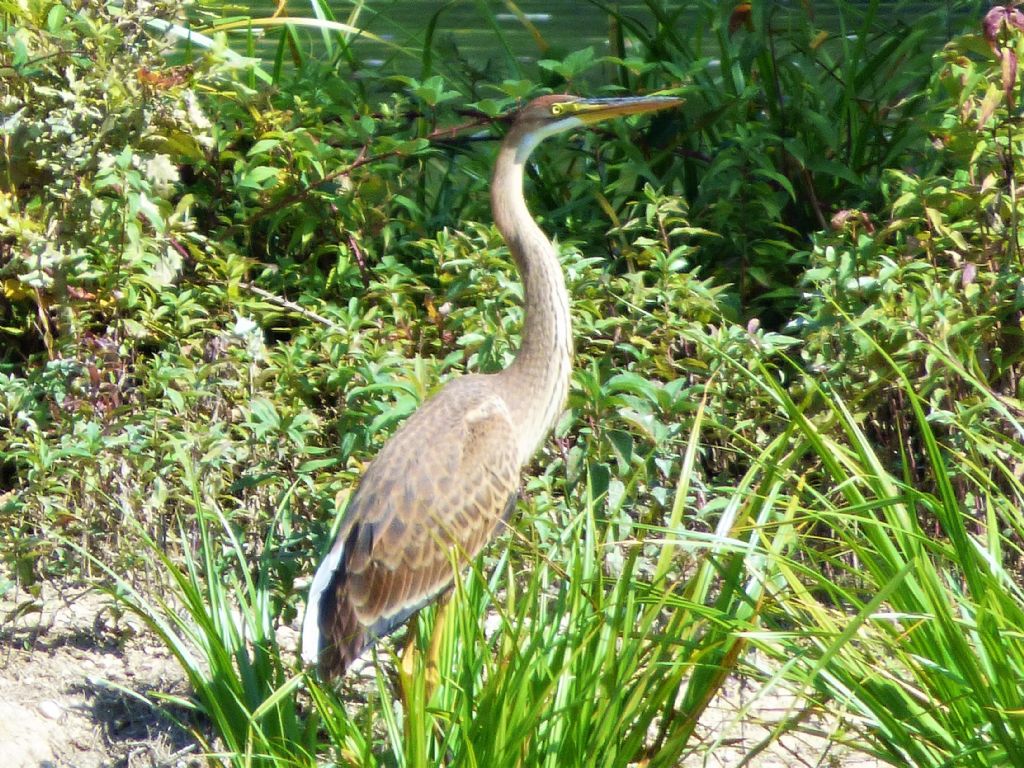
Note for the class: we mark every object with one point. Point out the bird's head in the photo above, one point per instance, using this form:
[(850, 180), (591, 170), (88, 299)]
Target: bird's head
[(547, 115)]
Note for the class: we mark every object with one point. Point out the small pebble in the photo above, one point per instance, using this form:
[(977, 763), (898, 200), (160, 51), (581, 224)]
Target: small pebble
[(49, 709)]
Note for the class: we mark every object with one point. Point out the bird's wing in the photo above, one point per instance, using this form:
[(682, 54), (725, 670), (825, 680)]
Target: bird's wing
[(442, 483)]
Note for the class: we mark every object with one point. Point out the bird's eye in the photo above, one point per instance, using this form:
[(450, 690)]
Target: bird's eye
[(557, 109)]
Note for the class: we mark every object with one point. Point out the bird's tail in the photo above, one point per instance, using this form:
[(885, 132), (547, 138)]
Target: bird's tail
[(318, 646)]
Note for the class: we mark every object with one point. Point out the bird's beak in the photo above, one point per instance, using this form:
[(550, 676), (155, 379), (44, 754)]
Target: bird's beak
[(590, 111)]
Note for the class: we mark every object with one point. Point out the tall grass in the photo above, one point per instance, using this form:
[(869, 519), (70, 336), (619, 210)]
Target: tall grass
[(910, 607), (591, 652), (218, 617)]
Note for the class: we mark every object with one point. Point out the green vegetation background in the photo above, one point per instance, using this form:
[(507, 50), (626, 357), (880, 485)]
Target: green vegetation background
[(792, 452)]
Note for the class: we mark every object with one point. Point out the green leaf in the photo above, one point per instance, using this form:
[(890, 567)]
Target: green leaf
[(55, 18), (263, 146), (256, 178)]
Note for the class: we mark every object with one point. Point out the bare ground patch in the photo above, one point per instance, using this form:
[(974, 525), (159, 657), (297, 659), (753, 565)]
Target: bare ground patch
[(73, 685)]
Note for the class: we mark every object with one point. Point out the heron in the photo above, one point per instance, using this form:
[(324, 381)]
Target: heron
[(449, 476)]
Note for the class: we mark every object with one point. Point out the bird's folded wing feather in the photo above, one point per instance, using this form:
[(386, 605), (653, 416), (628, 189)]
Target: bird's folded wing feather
[(441, 484)]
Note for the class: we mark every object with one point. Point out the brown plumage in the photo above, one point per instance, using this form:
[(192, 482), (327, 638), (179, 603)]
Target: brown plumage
[(450, 474)]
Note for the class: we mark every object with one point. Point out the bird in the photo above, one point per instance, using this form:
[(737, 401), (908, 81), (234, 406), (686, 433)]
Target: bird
[(450, 475)]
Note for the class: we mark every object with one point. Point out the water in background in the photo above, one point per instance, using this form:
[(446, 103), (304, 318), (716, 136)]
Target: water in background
[(486, 33)]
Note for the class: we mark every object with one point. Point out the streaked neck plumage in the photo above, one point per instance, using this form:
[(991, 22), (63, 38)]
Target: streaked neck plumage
[(536, 384)]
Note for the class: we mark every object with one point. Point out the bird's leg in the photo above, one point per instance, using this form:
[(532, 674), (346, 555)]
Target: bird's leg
[(413, 693), (412, 659), (434, 653), (407, 663)]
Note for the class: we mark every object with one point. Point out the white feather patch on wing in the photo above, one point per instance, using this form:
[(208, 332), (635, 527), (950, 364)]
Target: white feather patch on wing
[(311, 621)]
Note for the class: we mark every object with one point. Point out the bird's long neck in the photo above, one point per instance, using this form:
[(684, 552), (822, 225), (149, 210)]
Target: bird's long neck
[(537, 382)]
